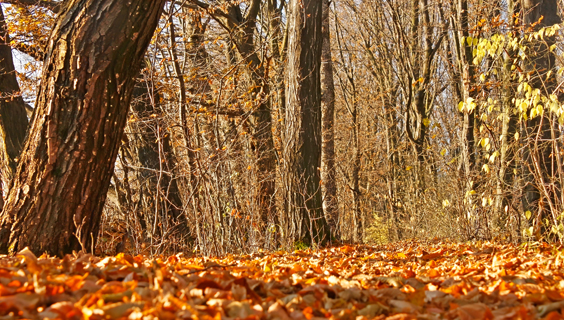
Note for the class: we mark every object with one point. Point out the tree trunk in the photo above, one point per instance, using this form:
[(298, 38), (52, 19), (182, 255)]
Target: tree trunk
[(507, 146), (358, 226), (13, 118), (92, 61), (329, 183), (302, 152), (150, 147), (419, 106), (538, 159), (263, 142), (467, 71)]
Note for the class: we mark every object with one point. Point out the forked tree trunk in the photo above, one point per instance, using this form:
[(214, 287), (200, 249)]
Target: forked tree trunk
[(302, 152), (92, 61)]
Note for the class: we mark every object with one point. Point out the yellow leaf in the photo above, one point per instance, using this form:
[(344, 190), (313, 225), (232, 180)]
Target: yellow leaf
[(486, 168)]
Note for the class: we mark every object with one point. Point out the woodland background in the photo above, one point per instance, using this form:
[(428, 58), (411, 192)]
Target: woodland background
[(435, 119)]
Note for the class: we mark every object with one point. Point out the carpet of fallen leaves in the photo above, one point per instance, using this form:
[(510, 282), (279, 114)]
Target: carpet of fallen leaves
[(408, 280)]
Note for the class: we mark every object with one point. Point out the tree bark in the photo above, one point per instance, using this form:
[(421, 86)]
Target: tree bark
[(539, 161), (468, 79), (419, 107), (329, 183), (13, 118), (302, 152), (92, 61), (243, 28), (507, 146)]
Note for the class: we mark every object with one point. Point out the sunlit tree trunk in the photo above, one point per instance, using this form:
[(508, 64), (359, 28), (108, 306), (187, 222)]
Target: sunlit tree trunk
[(467, 77), (328, 177), (302, 152), (509, 127), (91, 64)]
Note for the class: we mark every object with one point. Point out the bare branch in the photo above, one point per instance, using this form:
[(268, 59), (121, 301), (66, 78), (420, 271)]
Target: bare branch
[(33, 51), (215, 12)]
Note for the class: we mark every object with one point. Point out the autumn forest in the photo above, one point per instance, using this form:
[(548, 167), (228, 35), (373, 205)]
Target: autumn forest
[(232, 126), (281, 159)]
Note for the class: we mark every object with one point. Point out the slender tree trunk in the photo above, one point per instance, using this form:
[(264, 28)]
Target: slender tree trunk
[(13, 118), (507, 145), (302, 152), (328, 178), (358, 226), (92, 61), (393, 162), (262, 127), (150, 145), (419, 108), (467, 77)]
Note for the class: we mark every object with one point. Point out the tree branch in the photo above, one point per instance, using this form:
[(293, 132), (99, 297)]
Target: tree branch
[(215, 12), (33, 51), (51, 5)]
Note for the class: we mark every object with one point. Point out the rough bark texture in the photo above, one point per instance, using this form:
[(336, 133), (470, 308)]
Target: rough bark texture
[(328, 185), (92, 61), (538, 158), (13, 118), (302, 152)]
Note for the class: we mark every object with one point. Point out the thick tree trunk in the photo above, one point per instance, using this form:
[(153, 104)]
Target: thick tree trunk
[(538, 156), (13, 118), (329, 183), (302, 152), (92, 61)]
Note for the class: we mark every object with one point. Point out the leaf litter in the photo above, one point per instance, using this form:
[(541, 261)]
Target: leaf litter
[(407, 280)]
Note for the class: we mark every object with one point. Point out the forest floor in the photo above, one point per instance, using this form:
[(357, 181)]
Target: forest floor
[(408, 280)]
